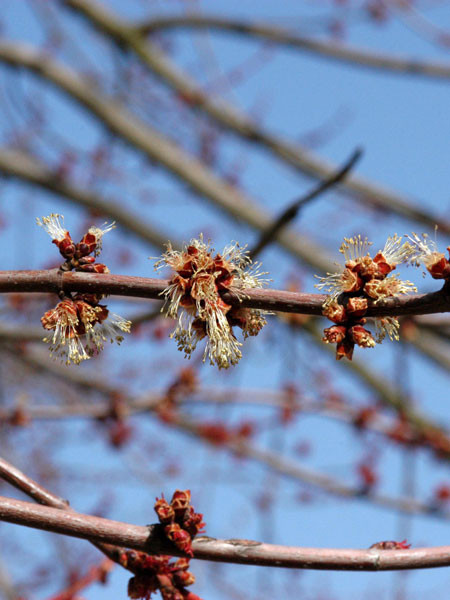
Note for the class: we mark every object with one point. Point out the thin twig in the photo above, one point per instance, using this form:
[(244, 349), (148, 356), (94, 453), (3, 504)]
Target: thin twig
[(292, 211)]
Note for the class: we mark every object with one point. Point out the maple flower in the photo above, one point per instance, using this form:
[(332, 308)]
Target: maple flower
[(390, 287), (80, 329), (53, 227), (425, 251), (360, 268), (93, 238), (63, 320), (193, 297), (363, 278)]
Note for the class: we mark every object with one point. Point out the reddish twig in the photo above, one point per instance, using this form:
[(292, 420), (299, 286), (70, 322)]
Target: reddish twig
[(150, 539), (96, 573), (267, 299)]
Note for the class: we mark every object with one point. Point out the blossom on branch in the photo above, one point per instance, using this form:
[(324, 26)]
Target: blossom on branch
[(194, 298), (80, 329), (79, 323), (363, 279)]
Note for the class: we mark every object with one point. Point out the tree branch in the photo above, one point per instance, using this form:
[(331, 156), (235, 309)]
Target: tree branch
[(357, 57), (290, 213), (150, 539), (284, 466), (266, 299)]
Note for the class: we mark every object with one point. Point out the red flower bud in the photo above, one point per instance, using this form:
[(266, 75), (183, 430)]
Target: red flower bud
[(165, 512), (180, 502), (357, 307), (335, 334)]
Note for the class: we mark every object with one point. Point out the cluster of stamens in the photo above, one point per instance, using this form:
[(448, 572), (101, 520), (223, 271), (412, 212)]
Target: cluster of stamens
[(363, 279), (196, 288), (80, 324)]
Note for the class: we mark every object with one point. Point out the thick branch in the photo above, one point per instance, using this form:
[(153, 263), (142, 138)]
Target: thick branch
[(266, 299), (150, 539), (227, 116)]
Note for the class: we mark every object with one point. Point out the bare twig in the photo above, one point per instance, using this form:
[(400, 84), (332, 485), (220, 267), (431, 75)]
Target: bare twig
[(286, 467), (150, 539), (293, 209)]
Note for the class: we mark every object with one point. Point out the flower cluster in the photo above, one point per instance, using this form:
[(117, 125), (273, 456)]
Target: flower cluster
[(363, 279), (80, 324), (181, 522), (153, 573), (197, 287)]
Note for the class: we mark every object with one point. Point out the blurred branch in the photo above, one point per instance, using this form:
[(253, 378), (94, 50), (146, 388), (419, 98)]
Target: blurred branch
[(292, 211), (96, 574), (16, 163), (128, 36), (357, 57), (151, 539), (286, 467), (56, 281), (158, 148)]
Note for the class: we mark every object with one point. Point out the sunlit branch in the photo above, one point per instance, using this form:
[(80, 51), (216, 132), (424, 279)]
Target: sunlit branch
[(150, 539), (357, 57), (125, 34)]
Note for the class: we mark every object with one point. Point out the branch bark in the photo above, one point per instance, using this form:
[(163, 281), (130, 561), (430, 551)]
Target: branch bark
[(266, 299), (151, 540)]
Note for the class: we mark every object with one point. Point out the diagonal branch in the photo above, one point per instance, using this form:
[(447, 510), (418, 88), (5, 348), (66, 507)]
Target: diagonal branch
[(293, 209), (151, 540), (127, 35), (33, 489)]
